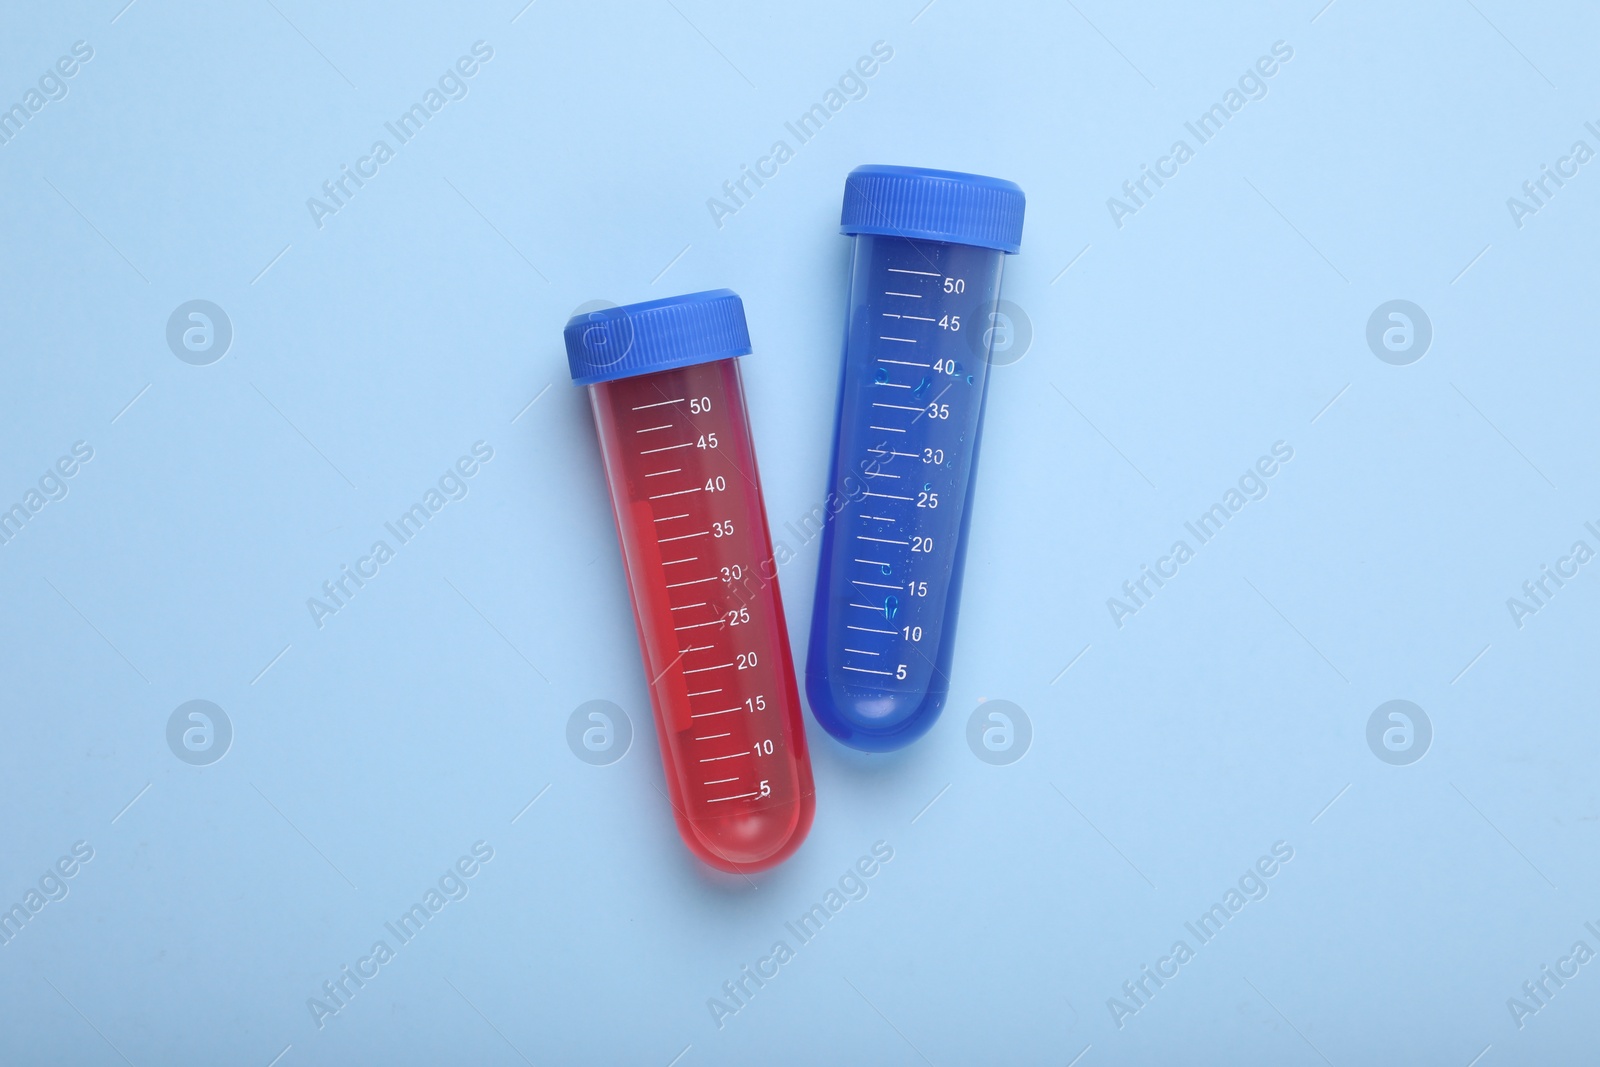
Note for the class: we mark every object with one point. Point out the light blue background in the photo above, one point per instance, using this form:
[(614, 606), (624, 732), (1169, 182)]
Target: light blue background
[(371, 753)]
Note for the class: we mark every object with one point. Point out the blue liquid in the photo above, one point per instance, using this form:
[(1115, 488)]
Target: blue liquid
[(916, 371)]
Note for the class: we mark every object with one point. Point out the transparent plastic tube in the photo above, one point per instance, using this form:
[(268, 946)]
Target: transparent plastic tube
[(910, 416), (687, 499)]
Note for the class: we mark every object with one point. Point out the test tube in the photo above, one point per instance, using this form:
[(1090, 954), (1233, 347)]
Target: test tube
[(924, 287), (664, 385)]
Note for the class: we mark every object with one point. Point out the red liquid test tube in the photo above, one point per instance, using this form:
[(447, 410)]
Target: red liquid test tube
[(663, 381)]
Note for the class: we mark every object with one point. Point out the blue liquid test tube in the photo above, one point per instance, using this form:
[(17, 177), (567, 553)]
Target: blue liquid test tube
[(924, 287)]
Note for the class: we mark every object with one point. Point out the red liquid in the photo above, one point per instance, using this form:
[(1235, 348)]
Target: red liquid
[(687, 499)]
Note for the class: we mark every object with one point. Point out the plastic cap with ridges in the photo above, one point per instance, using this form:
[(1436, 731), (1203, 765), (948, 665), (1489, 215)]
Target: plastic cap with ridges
[(933, 205), (679, 331)]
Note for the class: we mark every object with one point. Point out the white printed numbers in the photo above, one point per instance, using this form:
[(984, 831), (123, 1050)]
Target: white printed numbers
[(911, 633), (933, 455), (927, 499), (917, 588), (955, 285), (766, 788), (951, 323), (736, 616), (747, 660), (716, 485), (722, 529), (900, 672), (922, 544), (707, 440), (700, 405), (764, 748), (938, 411), (732, 572), (755, 703)]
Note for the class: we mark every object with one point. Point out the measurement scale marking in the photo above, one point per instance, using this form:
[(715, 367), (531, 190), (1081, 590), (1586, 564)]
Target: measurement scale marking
[(680, 492), (697, 581), (906, 363), (913, 296), (652, 429), (923, 411), (684, 537), (924, 273), (701, 670), (863, 670), (660, 404), (882, 540), (667, 448)]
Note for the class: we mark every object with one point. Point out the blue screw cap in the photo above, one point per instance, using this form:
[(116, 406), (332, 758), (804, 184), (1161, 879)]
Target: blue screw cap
[(678, 331), (933, 205)]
